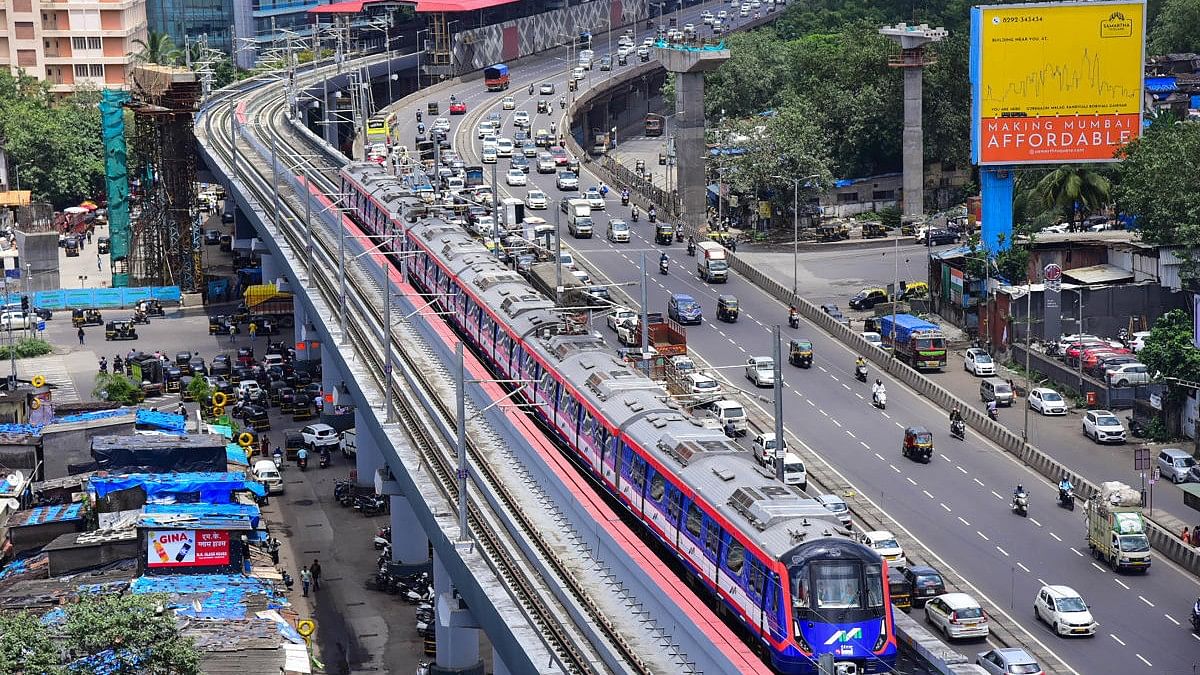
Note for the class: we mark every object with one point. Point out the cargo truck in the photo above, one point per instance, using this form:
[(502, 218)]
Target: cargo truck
[(666, 337), (1116, 532), (495, 77), (711, 263), (914, 340)]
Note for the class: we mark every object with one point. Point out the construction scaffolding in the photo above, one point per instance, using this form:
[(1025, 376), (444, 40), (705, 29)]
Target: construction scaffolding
[(165, 245)]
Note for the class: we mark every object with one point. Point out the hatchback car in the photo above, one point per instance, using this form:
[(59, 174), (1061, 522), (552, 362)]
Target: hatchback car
[(1127, 374), (926, 582), (212, 237), (458, 108), (519, 162), (618, 231), (508, 103), (868, 298), (837, 506), (761, 371), (885, 545), (515, 177), (488, 155), (684, 309), (546, 89), (567, 180), (1047, 401), (875, 339), (957, 615), (1103, 427), (1008, 661), (1064, 611), (979, 363), (1176, 465), (535, 199)]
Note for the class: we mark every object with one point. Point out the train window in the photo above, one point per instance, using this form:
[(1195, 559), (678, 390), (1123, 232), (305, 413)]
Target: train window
[(674, 504), (771, 594), (800, 590), (585, 428), (547, 385), (695, 520), (735, 557), (756, 577), (839, 584), (600, 435), (658, 487), (486, 326), (874, 574), (638, 473), (712, 538)]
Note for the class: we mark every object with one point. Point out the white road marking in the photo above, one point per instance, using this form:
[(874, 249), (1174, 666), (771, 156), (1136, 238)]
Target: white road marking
[(887, 416), (985, 537), (1171, 619), (1144, 660), (822, 368), (1023, 567), (860, 396), (997, 495), (835, 422), (894, 468), (879, 456), (1117, 639), (964, 521), (850, 434), (1042, 581), (835, 379), (978, 481), (823, 412), (1035, 522), (899, 425), (866, 446), (1055, 536), (1102, 570), (1076, 552), (943, 505), (927, 494), (943, 457), (964, 471), (1143, 599), (847, 386), (911, 481), (811, 403), (1121, 583), (1002, 551)]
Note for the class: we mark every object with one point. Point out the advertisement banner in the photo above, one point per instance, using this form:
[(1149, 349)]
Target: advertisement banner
[(956, 287), (187, 548), (1056, 82)]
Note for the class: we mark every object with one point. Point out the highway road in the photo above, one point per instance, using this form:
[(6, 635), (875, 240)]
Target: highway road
[(955, 507)]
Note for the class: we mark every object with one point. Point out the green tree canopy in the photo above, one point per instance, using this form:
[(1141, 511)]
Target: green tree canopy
[(1176, 28), (1074, 191), (1157, 183), (25, 646), (157, 48), (1169, 348)]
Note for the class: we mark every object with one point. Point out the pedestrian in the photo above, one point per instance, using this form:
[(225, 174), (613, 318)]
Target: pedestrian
[(1184, 536), (233, 329), (733, 245), (1195, 540), (305, 579), (98, 260), (80, 334), (273, 549), (253, 330), (266, 446), (316, 574)]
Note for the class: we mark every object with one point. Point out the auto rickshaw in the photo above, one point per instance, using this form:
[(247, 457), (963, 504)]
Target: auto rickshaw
[(173, 377), (432, 108), (664, 233), (219, 324), (139, 316), (900, 589), (255, 416), (102, 245), (918, 444), (727, 308), (873, 230), (800, 353), (86, 317), (182, 361), (120, 330), (828, 233)]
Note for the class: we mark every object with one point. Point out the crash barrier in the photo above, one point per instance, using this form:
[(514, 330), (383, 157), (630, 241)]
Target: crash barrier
[(89, 298), (1162, 537), (1112, 398), (624, 178), (915, 639)]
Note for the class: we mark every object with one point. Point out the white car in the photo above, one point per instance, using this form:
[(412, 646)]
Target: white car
[(957, 615), (761, 371), (535, 199), (1067, 340), (618, 231), (1103, 427), (706, 16), (317, 435), (874, 338), (764, 447), (593, 198), (249, 387), (545, 163), (566, 259), (885, 545), (979, 363), (504, 147), (508, 103), (1064, 611), (521, 118), (529, 149), (567, 180), (647, 42), (488, 156), (1047, 401), (484, 225), (722, 15), (1128, 374), (442, 123), (626, 332), (582, 275), (489, 141), (516, 177), (618, 315), (486, 129), (577, 73), (625, 50), (837, 506)]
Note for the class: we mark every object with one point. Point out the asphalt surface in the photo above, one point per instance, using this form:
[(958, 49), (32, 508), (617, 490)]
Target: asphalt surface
[(956, 507)]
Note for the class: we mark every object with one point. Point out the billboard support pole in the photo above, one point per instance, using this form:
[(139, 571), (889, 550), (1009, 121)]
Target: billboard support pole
[(996, 195)]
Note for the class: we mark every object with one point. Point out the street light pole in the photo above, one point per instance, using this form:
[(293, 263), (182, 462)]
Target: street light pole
[(778, 367), (460, 431), (795, 238), (1028, 378)]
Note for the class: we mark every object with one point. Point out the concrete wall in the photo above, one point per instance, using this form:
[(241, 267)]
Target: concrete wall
[(40, 250)]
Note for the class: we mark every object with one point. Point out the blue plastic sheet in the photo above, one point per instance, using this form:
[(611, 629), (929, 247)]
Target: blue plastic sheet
[(246, 513), (236, 454), (161, 420), (54, 616), (107, 662), (213, 488), (224, 595), (52, 514)]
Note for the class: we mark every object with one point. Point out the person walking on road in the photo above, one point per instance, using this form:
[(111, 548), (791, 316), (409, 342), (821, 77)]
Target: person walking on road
[(305, 579), (273, 550), (315, 570), (80, 334), (253, 330), (98, 261)]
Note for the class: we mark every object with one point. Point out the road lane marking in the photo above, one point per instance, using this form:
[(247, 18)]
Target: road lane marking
[(997, 495), (1055, 536), (910, 480), (964, 521), (860, 396), (927, 494), (1076, 552), (836, 422), (1023, 567), (1117, 639), (850, 434), (964, 471), (847, 387), (1035, 522), (943, 457), (985, 537), (879, 456), (866, 446), (1121, 583), (894, 468), (1002, 551), (899, 425), (890, 417), (1171, 619), (835, 379), (943, 505), (1042, 581), (811, 403), (1144, 660), (978, 481), (1102, 570), (822, 368), (1143, 599), (823, 412)]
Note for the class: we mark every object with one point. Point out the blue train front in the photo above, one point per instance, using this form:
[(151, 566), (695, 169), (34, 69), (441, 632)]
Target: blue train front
[(840, 605)]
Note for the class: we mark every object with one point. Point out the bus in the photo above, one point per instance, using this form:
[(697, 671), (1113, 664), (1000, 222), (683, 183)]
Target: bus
[(379, 129), (655, 124), (496, 77)]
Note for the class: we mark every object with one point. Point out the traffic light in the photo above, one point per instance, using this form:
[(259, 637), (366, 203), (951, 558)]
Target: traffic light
[(25, 303)]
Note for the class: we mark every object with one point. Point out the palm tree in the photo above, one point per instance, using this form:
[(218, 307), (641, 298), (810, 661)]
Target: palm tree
[(1075, 190), (157, 48)]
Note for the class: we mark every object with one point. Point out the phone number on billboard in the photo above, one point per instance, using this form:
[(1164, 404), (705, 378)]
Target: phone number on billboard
[(1020, 19)]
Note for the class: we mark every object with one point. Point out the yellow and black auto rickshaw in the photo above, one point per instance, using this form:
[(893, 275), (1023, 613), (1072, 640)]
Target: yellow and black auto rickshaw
[(173, 379), (800, 353), (872, 230), (918, 444), (86, 317), (664, 233), (432, 108), (727, 308), (120, 330), (828, 233), (543, 106), (900, 589)]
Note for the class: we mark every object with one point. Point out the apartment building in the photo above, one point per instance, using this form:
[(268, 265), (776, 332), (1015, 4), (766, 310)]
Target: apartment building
[(72, 43)]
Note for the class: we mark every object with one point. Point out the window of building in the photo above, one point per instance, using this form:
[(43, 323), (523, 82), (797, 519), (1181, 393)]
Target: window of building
[(27, 58), (847, 197), (23, 30), (883, 195), (81, 70), (97, 69)]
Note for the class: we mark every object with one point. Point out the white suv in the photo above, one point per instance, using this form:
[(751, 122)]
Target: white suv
[(318, 435), (1103, 427), (1064, 611)]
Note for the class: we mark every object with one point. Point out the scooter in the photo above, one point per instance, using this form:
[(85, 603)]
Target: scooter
[(288, 582), (879, 400), (1066, 499), (794, 321), (103, 365), (633, 215), (679, 235), (860, 373), (418, 115), (652, 215), (324, 459), (383, 538), (302, 462), (662, 266), (1020, 504), (625, 198), (993, 415), (1196, 617), (277, 457), (958, 429), (691, 249)]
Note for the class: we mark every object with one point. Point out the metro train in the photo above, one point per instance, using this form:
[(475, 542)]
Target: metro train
[(797, 582)]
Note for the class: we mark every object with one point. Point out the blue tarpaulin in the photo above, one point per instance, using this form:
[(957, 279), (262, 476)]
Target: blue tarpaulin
[(46, 514), (236, 454), (248, 514), (160, 420), (99, 297), (214, 488), (224, 595), (1160, 85), (107, 662), (1195, 102)]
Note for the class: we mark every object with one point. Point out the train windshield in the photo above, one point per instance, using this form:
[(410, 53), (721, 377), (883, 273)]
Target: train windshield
[(837, 590)]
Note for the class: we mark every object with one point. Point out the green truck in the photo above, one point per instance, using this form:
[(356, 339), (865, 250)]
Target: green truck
[(1116, 531)]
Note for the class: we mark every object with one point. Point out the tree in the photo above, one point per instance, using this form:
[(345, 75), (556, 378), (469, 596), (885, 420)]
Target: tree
[(1075, 190), (157, 48), (1157, 184), (145, 638), (1174, 29), (200, 390), (26, 647), (117, 388)]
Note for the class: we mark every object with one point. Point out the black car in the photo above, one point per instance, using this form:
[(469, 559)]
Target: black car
[(212, 237), (606, 63), (941, 237), (868, 298), (519, 162), (926, 583)]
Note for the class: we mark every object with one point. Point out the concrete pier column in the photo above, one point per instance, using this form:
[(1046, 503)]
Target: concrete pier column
[(331, 377), (329, 120), (457, 631), (410, 546), (498, 665), (368, 458), (270, 268)]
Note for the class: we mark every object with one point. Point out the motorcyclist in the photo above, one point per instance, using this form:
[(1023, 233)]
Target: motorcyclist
[(562, 102), (991, 408), (955, 416), (531, 89), (634, 213), (652, 213), (662, 260), (860, 362), (553, 128), (691, 245), (1019, 490), (1064, 487), (302, 456), (103, 365), (878, 390), (793, 316)]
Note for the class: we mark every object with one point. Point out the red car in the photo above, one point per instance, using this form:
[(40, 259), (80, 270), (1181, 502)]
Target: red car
[(1072, 352), (560, 155), (458, 108)]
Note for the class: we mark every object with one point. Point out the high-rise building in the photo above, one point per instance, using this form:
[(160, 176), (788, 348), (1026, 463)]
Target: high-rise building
[(72, 43), (188, 21)]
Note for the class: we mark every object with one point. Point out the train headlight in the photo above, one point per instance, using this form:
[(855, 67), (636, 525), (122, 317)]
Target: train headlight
[(882, 639)]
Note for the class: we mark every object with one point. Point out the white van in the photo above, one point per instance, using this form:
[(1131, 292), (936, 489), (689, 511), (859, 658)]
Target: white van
[(731, 415), (267, 473)]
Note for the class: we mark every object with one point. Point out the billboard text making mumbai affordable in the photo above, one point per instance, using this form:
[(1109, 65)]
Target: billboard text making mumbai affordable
[(1055, 82)]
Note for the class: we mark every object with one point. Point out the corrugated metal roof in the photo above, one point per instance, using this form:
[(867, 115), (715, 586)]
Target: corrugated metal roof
[(1099, 274)]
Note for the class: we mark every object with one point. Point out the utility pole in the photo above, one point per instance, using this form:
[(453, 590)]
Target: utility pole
[(780, 452), (460, 431), (644, 327), (558, 287)]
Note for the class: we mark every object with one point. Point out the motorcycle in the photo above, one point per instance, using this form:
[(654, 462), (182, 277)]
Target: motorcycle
[(277, 457), (625, 198), (993, 415), (1196, 617), (860, 373), (288, 582), (418, 115), (562, 103), (1020, 504), (1066, 499), (794, 321), (652, 215), (371, 505), (531, 90), (691, 249), (879, 400), (324, 459), (1124, 337), (634, 214), (383, 538), (662, 266), (302, 462), (958, 429), (679, 235)]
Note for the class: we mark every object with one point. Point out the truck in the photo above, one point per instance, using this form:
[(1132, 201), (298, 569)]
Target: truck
[(473, 176), (667, 337), (1116, 532), (915, 341), (495, 77), (512, 213), (711, 263), (579, 219), (544, 278)]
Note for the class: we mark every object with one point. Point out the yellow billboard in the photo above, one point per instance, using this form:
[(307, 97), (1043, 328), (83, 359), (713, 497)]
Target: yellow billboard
[(1056, 82)]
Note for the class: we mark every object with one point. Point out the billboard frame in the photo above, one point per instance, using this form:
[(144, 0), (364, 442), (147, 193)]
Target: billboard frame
[(976, 79)]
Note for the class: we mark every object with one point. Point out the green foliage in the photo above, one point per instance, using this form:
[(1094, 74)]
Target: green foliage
[(668, 91), (890, 216), (157, 48), (145, 638), (1174, 29), (1074, 190), (199, 389), (117, 388), (26, 348), (1157, 184), (1169, 347), (1013, 264), (25, 646)]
